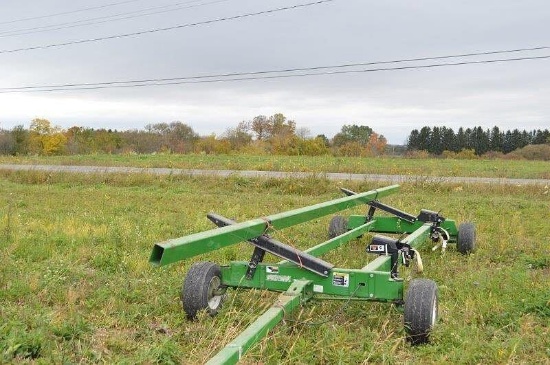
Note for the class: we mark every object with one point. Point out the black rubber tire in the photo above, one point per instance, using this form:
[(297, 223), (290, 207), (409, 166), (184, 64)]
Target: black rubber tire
[(466, 240), (202, 289), (337, 226), (420, 315)]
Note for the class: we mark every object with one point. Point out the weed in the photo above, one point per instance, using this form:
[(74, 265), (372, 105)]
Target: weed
[(76, 286)]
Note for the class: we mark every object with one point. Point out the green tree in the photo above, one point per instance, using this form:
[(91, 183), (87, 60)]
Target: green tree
[(449, 140), (313, 147), (424, 139), (436, 146), (7, 143), (21, 137), (496, 142), (413, 140), (508, 143), (541, 137), (325, 140), (480, 140), (352, 133), (461, 139)]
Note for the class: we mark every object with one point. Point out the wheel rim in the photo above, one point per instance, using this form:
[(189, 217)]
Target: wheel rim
[(214, 299), (434, 313)]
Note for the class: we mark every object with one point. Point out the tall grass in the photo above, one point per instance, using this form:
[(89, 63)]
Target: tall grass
[(76, 285)]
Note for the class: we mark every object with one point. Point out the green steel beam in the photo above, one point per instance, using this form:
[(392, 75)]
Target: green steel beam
[(185, 247), (381, 263), (399, 226), (350, 283), (286, 303), (337, 241), (418, 237)]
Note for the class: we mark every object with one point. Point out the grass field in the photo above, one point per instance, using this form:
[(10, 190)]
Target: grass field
[(382, 165), (76, 285)]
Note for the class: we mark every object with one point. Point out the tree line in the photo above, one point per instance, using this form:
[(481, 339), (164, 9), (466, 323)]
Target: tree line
[(437, 140), (262, 135)]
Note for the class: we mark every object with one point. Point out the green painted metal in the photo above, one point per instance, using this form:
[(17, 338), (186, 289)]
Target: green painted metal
[(373, 282), (299, 291), (418, 237), (335, 242), (395, 225), (185, 247), (381, 263), (350, 283)]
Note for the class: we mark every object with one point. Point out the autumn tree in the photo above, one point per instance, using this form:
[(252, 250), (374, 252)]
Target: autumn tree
[(239, 136), (376, 145), (313, 147), (260, 125), (212, 145), (359, 140), (45, 139), (107, 140), (80, 140), (282, 135), (324, 138), (178, 137)]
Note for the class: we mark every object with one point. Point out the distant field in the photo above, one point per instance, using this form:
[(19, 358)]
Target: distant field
[(76, 285), (383, 165)]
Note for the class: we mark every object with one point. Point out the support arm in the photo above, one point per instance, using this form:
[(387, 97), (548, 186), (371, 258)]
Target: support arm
[(185, 247)]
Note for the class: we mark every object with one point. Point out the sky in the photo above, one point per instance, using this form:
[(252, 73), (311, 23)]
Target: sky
[(338, 32)]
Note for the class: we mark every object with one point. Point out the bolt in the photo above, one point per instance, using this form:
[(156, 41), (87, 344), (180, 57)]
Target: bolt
[(371, 275), (371, 295)]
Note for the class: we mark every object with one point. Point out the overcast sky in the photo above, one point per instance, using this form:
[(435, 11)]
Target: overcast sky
[(509, 95)]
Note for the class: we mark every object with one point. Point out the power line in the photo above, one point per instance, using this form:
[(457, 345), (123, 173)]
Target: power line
[(287, 70), (179, 81), (70, 12), (156, 30), (107, 19)]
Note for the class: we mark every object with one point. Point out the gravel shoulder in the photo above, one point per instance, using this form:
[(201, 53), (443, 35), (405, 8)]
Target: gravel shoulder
[(272, 174)]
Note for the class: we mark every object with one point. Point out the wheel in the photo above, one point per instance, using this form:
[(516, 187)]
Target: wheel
[(202, 289), (420, 310), (337, 226), (466, 241)]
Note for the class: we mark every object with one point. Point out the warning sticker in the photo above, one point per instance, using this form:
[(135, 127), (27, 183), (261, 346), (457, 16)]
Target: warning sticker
[(272, 269), (377, 248), (340, 279)]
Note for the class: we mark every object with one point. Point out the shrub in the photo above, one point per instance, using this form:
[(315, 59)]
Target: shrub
[(533, 152), (417, 154), (466, 154)]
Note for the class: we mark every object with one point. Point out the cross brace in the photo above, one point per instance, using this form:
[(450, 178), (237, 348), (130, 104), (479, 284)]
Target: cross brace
[(277, 248)]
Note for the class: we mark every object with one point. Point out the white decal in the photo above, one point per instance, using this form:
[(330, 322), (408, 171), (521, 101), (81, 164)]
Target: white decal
[(283, 278)]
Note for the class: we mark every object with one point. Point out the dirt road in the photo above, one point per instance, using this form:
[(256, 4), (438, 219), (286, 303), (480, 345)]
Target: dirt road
[(273, 174)]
